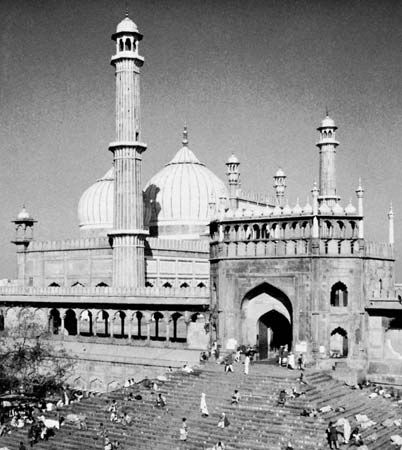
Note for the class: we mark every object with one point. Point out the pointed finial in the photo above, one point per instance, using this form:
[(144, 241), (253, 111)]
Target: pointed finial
[(391, 211), (185, 136), (126, 9), (326, 111)]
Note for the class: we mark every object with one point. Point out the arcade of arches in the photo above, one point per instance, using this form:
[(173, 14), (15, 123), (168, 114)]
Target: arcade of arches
[(148, 326)]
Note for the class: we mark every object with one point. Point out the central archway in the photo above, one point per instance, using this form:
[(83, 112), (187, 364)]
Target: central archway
[(267, 319)]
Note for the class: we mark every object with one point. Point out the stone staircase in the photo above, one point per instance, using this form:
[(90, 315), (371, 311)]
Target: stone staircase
[(256, 423)]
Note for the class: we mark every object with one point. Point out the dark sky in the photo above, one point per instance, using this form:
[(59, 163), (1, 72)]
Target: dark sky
[(249, 77)]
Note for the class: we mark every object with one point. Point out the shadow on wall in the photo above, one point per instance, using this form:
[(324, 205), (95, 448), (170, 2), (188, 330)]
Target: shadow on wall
[(152, 209)]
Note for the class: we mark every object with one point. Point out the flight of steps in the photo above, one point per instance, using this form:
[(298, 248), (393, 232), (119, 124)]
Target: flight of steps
[(256, 423)]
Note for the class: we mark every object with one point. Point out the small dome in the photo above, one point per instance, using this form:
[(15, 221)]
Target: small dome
[(24, 214), (297, 209), (327, 122), (337, 209), (126, 26), (287, 210), (233, 160), (280, 173), (307, 209), (176, 199), (277, 211), (350, 209), (95, 208), (324, 209)]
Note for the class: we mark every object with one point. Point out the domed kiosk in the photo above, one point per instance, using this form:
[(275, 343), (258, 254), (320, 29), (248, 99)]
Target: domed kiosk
[(176, 199)]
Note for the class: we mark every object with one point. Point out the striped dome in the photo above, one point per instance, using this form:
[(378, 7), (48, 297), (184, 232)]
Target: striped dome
[(95, 208), (176, 199)]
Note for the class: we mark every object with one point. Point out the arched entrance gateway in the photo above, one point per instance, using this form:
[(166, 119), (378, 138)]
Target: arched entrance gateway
[(267, 319)]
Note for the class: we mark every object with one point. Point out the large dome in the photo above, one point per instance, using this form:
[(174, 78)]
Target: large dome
[(95, 208), (176, 199)]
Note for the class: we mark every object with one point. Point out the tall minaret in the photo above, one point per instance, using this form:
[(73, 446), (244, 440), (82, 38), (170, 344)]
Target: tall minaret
[(327, 145), (128, 223)]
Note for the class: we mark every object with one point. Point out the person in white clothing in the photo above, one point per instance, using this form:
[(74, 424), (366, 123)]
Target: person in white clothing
[(203, 406), (246, 364)]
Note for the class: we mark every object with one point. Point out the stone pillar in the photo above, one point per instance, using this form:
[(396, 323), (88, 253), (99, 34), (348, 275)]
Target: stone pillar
[(168, 325), (129, 325), (94, 316), (128, 229)]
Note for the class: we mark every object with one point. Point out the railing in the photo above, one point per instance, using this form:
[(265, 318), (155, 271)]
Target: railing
[(103, 242), (106, 291), (378, 249), (284, 247)]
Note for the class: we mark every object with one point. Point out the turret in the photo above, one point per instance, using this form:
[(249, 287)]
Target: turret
[(280, 186), (24, 224), (233, 175), (327, 145)]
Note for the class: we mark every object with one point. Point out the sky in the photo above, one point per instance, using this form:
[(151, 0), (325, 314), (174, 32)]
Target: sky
[(249, 77)]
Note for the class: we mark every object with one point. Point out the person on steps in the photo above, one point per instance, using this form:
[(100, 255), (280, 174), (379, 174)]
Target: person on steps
[(332, 435), (203, 406), (229, 363), (161, 401), (235, 397), (223, 421), (246, 363), (184, 430), (282, 397)]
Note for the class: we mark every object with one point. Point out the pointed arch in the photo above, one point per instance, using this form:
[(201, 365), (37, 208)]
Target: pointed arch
[(339, 347), (339, 295)]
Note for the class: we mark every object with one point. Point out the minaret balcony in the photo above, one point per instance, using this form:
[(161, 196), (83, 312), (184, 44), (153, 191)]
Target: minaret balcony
[(127, 54), (139, 146)]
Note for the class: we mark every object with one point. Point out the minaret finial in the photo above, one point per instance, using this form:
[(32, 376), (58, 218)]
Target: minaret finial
[(326, 110), (185, 136), (126, 9)]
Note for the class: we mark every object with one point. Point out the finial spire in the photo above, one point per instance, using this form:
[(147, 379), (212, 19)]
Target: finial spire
[(326, 110), (185, 136), (126, 8)]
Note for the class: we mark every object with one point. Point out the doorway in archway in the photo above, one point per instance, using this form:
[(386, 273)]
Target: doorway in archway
[(274, 330)]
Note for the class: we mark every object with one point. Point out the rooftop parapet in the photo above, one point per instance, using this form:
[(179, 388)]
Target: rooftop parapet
[(79, 291)]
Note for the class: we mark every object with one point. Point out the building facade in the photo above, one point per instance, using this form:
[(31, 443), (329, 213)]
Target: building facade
[(161, 271)]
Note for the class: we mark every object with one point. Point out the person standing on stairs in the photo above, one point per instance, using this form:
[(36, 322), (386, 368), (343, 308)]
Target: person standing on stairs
[(332, 435), (235, 397), (184, 430), (203, 406), (223, 421), (246, 363), (229, 363)]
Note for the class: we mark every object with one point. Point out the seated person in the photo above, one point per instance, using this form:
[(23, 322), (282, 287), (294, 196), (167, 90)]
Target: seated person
[(235, 397), (282, 398)]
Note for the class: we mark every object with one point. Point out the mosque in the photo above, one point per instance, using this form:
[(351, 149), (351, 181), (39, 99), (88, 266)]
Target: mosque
[(162, 270)]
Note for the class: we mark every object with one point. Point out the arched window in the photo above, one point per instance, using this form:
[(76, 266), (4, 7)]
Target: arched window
[(138, 331), (338, 343), (380, 284), (339, 295), (102, 284), (102, 324), (185, 285), (148, 284), (128, 44), (201, 285), (121, 45), (86, 325), (54, 321), (179, 328), (119, 325), (167, 285), (54, 284), (158, 327), (70, 322), (77, 284)]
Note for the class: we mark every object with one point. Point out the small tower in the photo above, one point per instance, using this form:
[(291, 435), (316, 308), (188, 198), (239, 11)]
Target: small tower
[(327, 145), (233, 175), (391, 239), (128, 223), (280, 186), (24, 224)]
